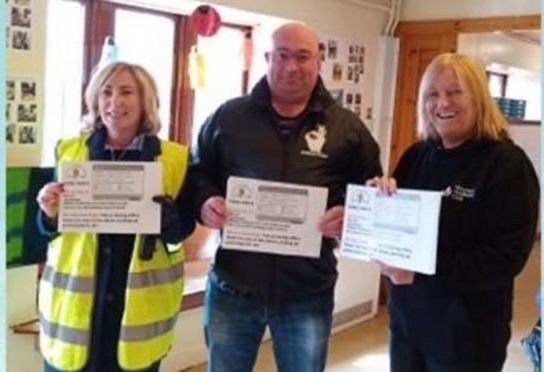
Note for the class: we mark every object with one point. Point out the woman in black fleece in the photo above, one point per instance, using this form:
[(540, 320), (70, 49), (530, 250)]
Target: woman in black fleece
[(458, 320)]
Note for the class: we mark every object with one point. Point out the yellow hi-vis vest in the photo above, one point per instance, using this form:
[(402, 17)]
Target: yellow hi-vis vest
[(153, 294)]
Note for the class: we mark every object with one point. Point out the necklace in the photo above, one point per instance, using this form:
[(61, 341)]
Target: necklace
[(120, 156)]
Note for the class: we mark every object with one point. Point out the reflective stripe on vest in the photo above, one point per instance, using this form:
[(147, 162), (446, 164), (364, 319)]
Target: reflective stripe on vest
[(155, 277), (67, 282), (147, 331), (153, 294), (66, 334)]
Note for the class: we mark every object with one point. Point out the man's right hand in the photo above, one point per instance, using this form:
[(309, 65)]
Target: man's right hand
[(214, 212), (48, 198)]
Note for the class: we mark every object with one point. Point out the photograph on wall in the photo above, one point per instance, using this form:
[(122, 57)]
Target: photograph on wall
[(27, 134), (342, 70), (350, 73), (21, 110), (349, 99), (27, 113), (11, 133), (357, 98), (28, 90), (322, 51), (20, 39), (19, 25), (10, 90), (337, 71), (20, 17), (332, 49)]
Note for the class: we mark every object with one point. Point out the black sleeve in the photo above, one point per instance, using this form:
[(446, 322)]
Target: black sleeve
[(204, 170), (502, 246), (369, 155), (403, 166), (46, 226), (184, 225)]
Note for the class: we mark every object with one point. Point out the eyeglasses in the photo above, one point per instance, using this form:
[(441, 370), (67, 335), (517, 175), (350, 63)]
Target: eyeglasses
[(284, 56)]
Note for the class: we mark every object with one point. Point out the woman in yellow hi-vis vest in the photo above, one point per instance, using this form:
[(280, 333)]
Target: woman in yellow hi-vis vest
[(109, 302)]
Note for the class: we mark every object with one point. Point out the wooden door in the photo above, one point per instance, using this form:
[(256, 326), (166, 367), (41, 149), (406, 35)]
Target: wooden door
[(416, 52), (419, 43)]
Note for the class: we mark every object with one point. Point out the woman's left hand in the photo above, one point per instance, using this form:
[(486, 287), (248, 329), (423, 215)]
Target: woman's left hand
[(396, 275), (169, 213), (330, 223), (387, 185)]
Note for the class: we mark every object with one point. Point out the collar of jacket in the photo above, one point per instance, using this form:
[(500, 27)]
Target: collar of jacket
[(97, 141), (466, 147), (320, 99)]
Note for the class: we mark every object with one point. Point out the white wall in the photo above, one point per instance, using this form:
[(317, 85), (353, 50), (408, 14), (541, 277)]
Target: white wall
[(417, 10), (528, 138)]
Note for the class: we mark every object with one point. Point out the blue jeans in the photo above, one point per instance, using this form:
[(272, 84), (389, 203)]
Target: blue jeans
[(234, 328)]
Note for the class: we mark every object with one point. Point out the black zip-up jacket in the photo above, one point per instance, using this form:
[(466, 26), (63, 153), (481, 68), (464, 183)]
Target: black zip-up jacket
[(487, 226), (243, 138)]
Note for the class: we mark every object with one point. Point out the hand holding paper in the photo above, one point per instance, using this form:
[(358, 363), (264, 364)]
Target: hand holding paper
[(214, 212), (400, 230), (396, 275), (330, 224), (276, 217)]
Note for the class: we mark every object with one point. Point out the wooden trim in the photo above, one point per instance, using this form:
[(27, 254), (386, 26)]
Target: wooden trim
[(182, 96), (476, 25), (192, 300), (99, 23), (248, 34), (31, 327)]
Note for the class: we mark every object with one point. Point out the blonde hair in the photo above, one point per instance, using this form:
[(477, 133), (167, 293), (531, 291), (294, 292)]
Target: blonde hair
[(150, 121), (490, 123)]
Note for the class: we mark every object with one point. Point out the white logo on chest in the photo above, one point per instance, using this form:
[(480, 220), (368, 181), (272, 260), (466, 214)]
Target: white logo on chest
[(315, 140)]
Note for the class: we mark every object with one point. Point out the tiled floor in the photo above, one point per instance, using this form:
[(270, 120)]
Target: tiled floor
[(363, 348)]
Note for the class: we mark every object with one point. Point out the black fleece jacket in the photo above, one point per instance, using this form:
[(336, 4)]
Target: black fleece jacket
[(487, 226), (243, 138)]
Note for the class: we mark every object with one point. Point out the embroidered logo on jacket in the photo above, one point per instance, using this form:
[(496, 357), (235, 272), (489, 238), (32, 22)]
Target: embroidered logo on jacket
[(315, 140), (459, 193)]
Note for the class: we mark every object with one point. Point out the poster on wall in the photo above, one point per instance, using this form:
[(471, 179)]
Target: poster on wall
[(25, 25), (19, 25), (342, 70), (21, 111)]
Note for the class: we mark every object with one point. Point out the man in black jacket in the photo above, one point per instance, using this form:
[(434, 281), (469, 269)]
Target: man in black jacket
[(288, 129)]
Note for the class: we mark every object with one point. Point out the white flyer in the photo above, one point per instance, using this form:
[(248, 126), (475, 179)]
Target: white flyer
[(110, 197), (399, 230), (273, 217)]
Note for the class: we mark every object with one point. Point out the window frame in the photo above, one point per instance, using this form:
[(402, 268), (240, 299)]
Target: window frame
[(503, 80), (99, 23)]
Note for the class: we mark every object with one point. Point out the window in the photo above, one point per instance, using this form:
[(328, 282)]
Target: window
[(224, 65), (160, 41), (63, 74), (497, 83), (153, 50)]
